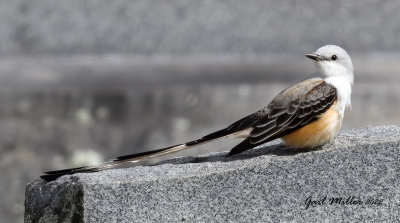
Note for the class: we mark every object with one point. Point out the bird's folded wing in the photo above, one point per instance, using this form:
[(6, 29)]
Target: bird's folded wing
[(293, 108)]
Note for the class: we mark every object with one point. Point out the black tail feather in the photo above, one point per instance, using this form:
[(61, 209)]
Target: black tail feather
[(52, 175), (206, 138), (130, 156), (65, 170)]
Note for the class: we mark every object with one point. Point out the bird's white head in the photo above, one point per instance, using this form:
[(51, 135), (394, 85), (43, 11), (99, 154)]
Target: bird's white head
[(333, 61)]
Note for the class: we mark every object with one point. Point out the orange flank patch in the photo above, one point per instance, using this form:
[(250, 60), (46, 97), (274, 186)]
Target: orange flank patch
[(316, 133)]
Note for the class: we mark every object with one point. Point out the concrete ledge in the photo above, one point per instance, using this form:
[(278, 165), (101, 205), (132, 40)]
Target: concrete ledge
[(269, 184)]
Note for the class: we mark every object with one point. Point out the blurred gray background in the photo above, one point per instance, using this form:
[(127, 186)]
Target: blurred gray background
[(82, 81)]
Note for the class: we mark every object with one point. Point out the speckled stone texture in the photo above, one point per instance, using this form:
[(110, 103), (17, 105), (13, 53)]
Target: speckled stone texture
[(268, 184)]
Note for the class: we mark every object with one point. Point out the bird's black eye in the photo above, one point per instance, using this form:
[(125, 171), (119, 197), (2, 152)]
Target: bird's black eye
[(334, 57)]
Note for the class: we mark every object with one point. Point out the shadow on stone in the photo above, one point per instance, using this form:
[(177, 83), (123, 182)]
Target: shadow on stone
[(275, 149)]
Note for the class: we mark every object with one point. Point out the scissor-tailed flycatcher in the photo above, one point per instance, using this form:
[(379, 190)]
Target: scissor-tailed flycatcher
[(306, 115)]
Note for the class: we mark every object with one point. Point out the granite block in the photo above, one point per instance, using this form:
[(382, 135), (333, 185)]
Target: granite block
[(354, 178)]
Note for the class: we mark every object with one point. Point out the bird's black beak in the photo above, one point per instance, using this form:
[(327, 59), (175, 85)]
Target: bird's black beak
[(314, 56)]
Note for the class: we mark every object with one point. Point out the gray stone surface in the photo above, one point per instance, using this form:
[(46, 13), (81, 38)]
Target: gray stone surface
[(149, 27), (268, 184)]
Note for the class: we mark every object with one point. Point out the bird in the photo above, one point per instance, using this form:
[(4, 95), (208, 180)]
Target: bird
[(306, 115)]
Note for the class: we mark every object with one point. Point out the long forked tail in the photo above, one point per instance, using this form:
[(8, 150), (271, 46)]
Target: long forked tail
[(134, 158)]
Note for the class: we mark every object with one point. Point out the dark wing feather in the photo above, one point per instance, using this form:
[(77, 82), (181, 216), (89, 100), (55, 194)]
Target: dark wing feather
[(291, 109), (322, 95)]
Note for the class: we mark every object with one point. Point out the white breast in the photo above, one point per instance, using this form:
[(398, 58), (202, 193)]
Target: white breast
[(343, 87)]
